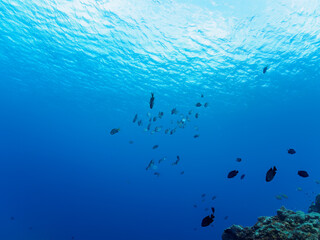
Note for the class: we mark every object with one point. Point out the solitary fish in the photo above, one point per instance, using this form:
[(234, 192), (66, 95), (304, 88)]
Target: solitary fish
[(174, 111), (114, 131), (208, 219), (196, 136), (157, 129), (182, 173), (157, 174), (139, 122), (177, 161), (152, 100), (154, 119), (214, 197), (196, 115), (135, 118), (172, 131), (160, 114), (198, 104), (206, 104), (242, 176), (150, 165), (233, 173), (203, 195), (202, 95), (162, 159), (238, 159), (271, 173), (291, 151), (265, 69), (149, 126), (303, 174), (155, 146)]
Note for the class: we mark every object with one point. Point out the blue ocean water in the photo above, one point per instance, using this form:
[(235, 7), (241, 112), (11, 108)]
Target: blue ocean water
[(70, 71)]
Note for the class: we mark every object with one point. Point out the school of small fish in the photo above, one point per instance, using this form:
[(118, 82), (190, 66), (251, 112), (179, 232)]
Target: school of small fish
[(180, 123)]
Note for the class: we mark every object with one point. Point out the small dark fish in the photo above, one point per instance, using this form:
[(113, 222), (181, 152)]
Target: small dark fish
[(162, 159), (208, 219), (166, 131), (150, 165), (155, 146), (152, 100), (195, 206), (265, 69), (214, 197), (203, 195), (154, 119), (160, 114), (233, 173), (157, 174), (12, 218), (291, 151), (198, 104), (172, 131), (206, 104), (182, 173), (271, 173), (242, 176), (149, 126), (174, 111), (238, 159), (196, 136), (226, 217), (177, 161), (196, 115), (131, 142), (202, 95), (135, 118), (190, 112), (114, 131), (303, 174), (139, 122)]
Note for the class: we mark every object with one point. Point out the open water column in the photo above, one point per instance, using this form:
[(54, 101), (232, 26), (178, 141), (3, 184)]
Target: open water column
[(159, 119)]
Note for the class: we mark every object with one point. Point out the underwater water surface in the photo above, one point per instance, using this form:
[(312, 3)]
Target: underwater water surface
[(71, 71)]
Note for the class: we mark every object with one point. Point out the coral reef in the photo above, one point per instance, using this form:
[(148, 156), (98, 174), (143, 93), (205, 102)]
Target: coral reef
[(315, 206), (286, 224)]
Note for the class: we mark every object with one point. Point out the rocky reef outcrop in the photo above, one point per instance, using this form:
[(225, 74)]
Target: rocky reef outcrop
[(286, 225)]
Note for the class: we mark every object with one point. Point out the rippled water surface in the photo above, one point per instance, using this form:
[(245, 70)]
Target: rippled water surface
[(70, 71)]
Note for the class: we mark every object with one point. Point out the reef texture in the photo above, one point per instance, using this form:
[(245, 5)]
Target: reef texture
[(286, 225), (315, 206)]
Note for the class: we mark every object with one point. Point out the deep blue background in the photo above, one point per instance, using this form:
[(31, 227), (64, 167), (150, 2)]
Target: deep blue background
[(70, 71)]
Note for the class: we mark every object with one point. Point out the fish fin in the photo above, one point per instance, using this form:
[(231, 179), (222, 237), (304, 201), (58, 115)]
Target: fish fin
[(212, 209)]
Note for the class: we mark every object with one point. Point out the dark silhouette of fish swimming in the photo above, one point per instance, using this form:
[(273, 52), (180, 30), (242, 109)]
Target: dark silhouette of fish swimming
[(291, 151), (208, 219), (265, 69), (233, 173), (303, 174), (271, 173), (151, 101), (114, 131)]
